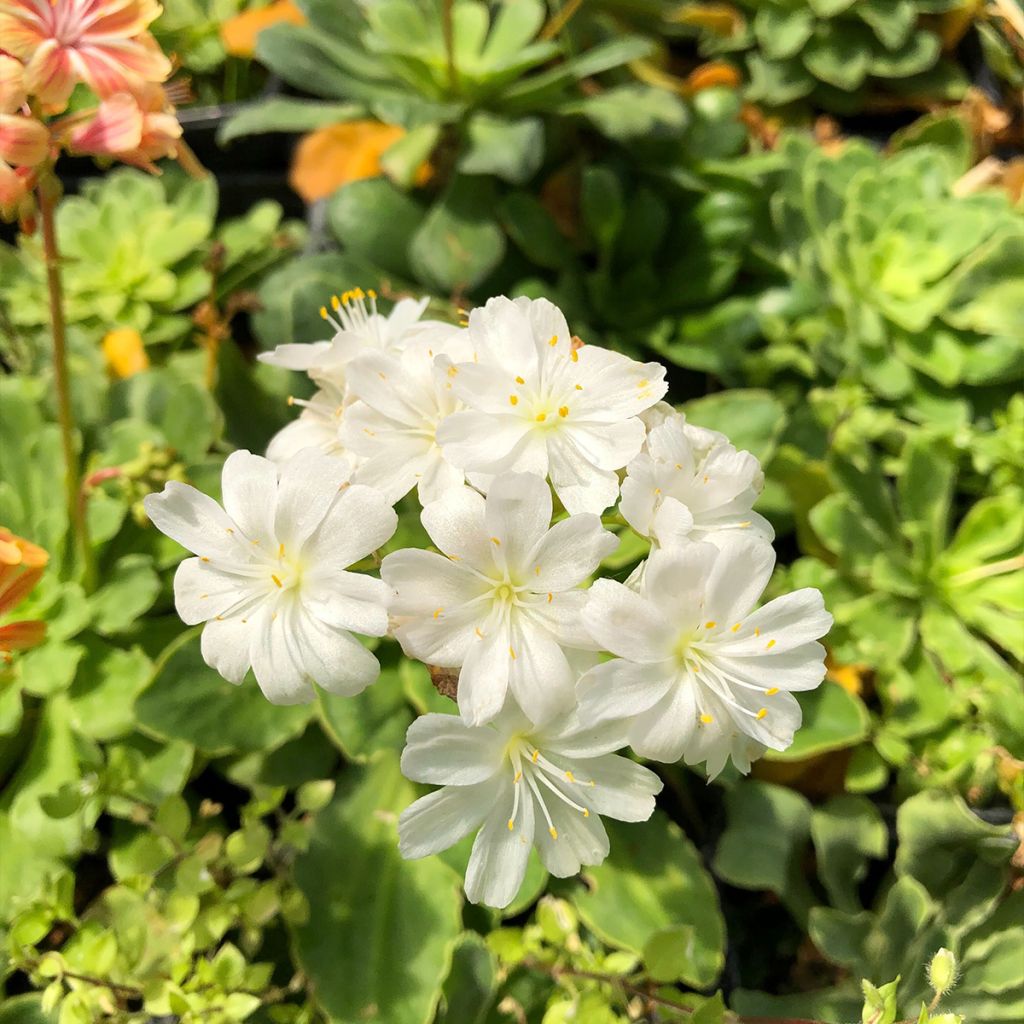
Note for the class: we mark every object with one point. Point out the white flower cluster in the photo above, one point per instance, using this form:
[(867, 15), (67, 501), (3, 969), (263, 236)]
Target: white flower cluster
[(486, 421)]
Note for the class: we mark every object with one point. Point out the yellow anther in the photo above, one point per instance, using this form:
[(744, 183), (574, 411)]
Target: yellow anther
[(736, 628), (563, 411), (437, 612), (757, 632), (276, 580), (643, 383), (770, 645), (453, 370), (553, 341), (706, 479), (517, 776), (706, 719), (550, 597), (291, 400), (541, 417), (586, 813), (569, 776), (534, 756), (710, 624), (368, 432), (762, 713), (575, 356), (229, 529), (513, 399), (519, 380), (679, 465), (219, 618), (512, 653), (579, 387), (511, 825), (496, 542), (536, 570), (554, 832), (203, 597), (280, 551), (323, 312), (771, 693), (334, 301), (372, 294), (203, 558), (657, 490), (478, 633), (382, 375)]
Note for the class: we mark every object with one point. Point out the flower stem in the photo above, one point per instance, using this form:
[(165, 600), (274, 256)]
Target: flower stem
[(47, 195)]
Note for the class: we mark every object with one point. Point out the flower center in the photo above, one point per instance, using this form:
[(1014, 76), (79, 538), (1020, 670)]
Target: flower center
[(532, 770), (285, 571)]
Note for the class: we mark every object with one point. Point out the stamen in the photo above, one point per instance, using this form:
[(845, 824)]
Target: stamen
[(478, 633), (550, 597), (512, 652), (276, 580), (553, 341), (757, 632), (706, 719), (563, 411), (513, 399), (710, 624), (762, 713), (769, 645), (735, 629), (579, 387), (519, 380), (496, 542), (541, 417), (575, 357), (771, 693), (203, 558), (437, 612), (280, 551)]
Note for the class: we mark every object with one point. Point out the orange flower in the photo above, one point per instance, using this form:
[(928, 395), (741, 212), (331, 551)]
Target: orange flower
[(238, 34), (136, 129), (124, 352), (333, 156), (103, 43), (21, 565)]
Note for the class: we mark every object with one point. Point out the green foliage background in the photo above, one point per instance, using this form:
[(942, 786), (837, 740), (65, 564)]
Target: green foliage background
[(845, 309)]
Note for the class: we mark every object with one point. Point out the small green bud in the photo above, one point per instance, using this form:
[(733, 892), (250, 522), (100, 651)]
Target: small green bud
[(942, 972), (946, 1018)]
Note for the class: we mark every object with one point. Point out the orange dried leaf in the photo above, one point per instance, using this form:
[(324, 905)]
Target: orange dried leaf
[(721, 19), (124, 352), (238, 34)]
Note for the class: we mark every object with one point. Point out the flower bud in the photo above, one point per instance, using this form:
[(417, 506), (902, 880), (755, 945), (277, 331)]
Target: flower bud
[(942, 972)]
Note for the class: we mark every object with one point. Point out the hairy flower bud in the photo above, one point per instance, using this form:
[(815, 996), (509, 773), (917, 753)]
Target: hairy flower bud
[(942, 972)]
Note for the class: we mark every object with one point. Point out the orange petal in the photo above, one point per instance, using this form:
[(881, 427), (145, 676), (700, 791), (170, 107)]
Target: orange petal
[(17, 636), (24, 141), (333, 156), (716, 72), (124, 352), (116, 127), (12, 85), (239, 33)]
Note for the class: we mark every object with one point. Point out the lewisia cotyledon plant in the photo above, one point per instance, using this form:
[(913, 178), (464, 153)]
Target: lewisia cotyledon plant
[(484, 423)]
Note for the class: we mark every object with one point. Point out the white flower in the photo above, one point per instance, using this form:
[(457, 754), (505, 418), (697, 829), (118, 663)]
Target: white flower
[(690, 483), (270, 581), (538, 404), (503, 604), (393, 424), (357, 327), (699, 673), (521, 788), (318, 426)]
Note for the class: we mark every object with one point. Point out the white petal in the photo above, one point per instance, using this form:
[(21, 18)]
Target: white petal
[(606, 445), (276, 655), (202, 591), (738, 577), (456, 525), (579, 484), (347, 600), (580, 839), (439, 477), (497, 864), (663, 732), (576, 735), (403, 318), (357, 522), (483, 681), (195, 521), (309, 483), (333, 658), (249, 487), (801, 668), (639, 499), (442, 749), (672, 524), (225, 647), (621, 689), (675, 582), (440, 819), (311, 432), (296, 357), (570, 552), (614, 386), (627, 624), (517, 515), (562, 617), (539, 676), (621, 788), (479, 440), (378, 379), (482, 386), (785, 623), (504, 336)]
